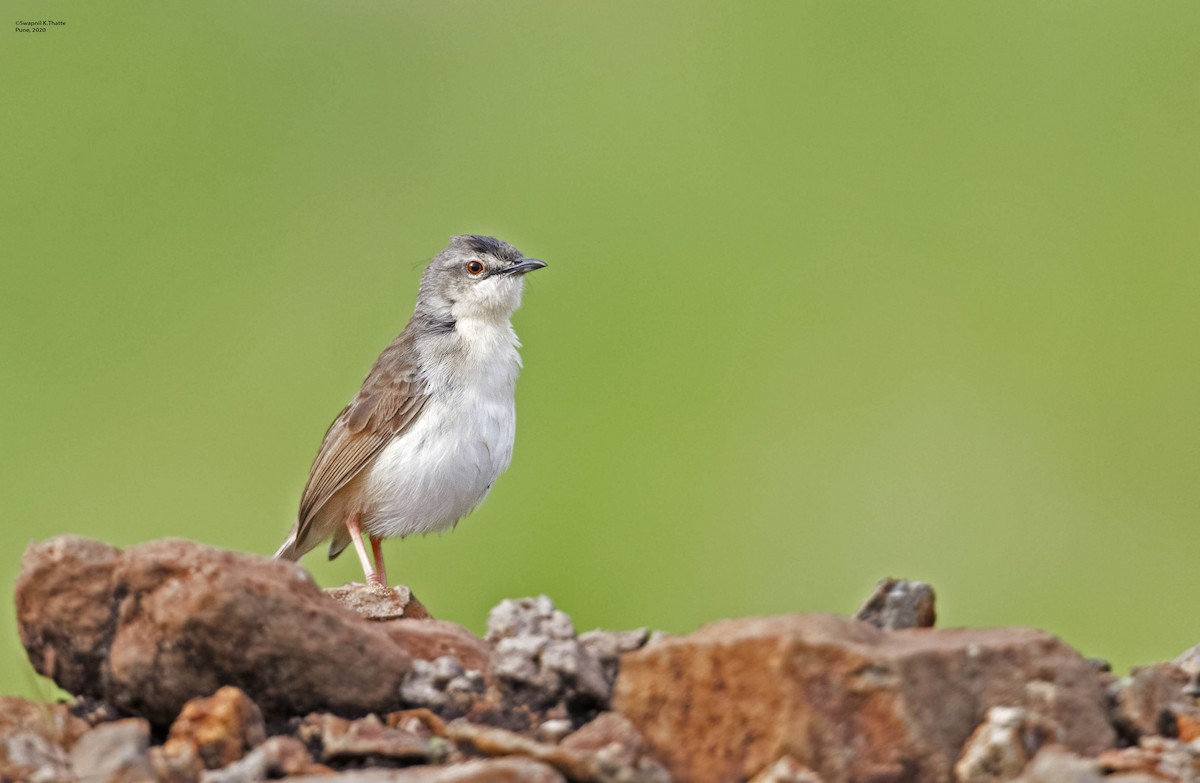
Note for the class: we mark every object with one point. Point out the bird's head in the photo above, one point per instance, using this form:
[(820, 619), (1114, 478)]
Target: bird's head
[(475, 277)]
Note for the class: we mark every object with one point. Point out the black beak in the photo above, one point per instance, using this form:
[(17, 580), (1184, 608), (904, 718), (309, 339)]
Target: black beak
[(521, 267)]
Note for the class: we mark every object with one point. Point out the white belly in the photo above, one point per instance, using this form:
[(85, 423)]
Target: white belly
[(443, 467)]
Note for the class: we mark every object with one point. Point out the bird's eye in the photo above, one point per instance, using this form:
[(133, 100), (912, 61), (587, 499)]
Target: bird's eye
[(474, 266)]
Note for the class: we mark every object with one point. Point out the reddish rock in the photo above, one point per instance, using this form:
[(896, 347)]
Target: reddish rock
[(850, 701), (148, 628), (376, 602)]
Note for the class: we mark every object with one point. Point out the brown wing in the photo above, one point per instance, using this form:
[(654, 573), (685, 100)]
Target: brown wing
[(389, 402)]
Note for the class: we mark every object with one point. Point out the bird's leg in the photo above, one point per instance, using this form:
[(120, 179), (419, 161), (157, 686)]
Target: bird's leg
[(377, 550), (353, 525)]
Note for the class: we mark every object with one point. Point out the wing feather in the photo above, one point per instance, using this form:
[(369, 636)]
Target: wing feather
[(390, 400)]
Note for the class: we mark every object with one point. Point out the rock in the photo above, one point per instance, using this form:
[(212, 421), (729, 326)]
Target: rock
[(606, 764), (899, 603), (1157, 758), (1054, 764), (538, 658), (344, 740), (375, 602), (850, 701), (1154, 700), (1002, 745), (148, 628), (220, 729), (786, 770), (443, 685), (275, 758), (34, 739), (420, 721), (514, 770), (554, 730), (607, 647), (114, 753)]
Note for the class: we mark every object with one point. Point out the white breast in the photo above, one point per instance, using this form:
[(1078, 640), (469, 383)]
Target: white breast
[(443, 467)]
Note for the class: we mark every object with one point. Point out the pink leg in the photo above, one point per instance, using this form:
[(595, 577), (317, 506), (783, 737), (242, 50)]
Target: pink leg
[(380, 568), (353, 526)]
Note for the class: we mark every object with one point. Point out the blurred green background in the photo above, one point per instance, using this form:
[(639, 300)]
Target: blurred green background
[(836, 291)]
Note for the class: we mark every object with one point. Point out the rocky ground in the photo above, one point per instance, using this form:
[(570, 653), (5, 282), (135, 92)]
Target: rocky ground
[(193, 664)]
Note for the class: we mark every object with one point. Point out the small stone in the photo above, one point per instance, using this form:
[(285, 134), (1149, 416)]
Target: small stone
[(528, 617), (378, 603), (420, 721), (786, 770), (220, 728), (607, 647), (34, 739), (114, 753), (554, 730), (1002, 745), (30, 756), (1155, 700), (609, 732), (344, 740), (1055, 764), (617, 761), (513, 770), (442, 685), (899, 603), (275, 758)]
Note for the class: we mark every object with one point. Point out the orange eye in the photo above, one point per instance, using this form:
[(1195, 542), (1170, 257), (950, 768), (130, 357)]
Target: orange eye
[(475, 267)]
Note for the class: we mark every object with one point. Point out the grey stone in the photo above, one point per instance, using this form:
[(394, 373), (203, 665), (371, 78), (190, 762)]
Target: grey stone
[(115, 752), (899, 603)]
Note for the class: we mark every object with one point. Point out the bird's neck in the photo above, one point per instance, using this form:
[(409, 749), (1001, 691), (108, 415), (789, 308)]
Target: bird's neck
[(477, 350)]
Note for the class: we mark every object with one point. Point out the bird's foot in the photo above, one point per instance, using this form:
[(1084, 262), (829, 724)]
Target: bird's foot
[(376, 580)]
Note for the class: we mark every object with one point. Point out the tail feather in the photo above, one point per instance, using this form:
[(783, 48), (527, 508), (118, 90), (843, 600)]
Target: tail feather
[(289, 551)]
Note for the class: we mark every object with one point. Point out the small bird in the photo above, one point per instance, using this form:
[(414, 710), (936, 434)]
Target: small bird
[(432, 427)]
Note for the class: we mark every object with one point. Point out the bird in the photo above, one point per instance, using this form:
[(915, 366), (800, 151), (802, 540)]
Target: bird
[(425, 438)]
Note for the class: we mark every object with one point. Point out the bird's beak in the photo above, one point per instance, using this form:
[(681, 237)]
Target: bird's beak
[(521, 267)]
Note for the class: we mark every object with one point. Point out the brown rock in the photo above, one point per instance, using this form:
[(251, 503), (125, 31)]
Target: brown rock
[(375, 602), (899, 603), (850, 701), (151, 627), (219, 729)]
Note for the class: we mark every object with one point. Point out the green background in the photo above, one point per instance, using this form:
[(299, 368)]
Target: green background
[(836, 291)]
